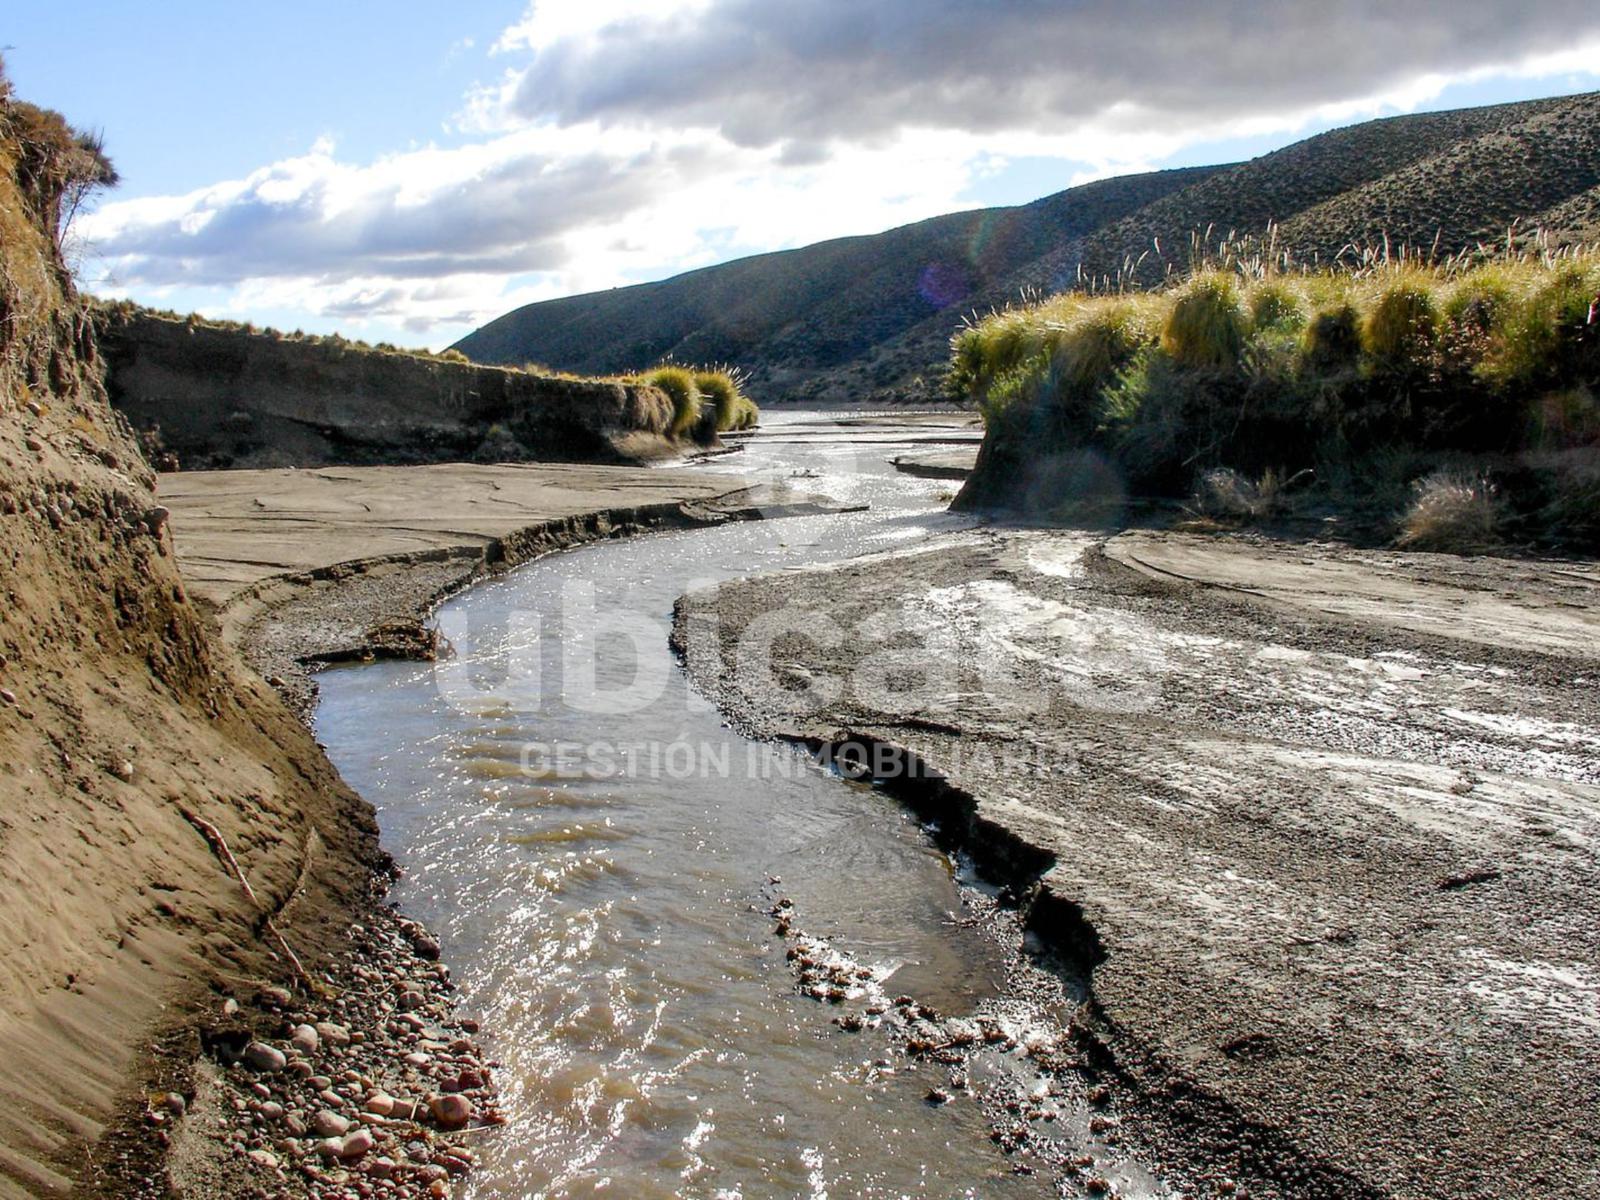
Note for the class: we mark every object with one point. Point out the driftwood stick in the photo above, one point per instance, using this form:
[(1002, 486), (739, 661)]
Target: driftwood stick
[(219, 847)]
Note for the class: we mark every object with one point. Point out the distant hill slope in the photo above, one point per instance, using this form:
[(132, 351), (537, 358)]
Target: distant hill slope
[(870, 317), (792, 317)]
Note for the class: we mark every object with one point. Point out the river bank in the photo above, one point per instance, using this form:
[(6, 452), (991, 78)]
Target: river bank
[(1314, 826)]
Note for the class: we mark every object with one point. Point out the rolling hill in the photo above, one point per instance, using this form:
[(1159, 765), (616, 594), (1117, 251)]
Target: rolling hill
[(869, 318)]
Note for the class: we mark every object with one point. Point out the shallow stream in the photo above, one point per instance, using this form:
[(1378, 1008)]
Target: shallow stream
[(602, 854)]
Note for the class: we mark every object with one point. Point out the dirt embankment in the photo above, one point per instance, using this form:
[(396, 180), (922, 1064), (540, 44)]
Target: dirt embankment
[(1317, 826), (218, 396), (122, 727)]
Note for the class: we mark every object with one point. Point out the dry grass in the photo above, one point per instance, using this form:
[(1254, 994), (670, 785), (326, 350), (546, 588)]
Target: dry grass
[(1452, 513)]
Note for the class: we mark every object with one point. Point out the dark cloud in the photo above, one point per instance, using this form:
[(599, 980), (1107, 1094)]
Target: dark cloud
[(766, 72)]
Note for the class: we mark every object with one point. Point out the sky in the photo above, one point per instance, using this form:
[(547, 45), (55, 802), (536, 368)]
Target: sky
[(406, 171)]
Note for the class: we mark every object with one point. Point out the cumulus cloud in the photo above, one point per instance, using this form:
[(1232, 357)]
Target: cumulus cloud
[(763, 73), (502, 206)]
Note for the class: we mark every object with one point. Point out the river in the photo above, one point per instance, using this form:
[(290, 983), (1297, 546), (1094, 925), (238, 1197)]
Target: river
[(602, 856)]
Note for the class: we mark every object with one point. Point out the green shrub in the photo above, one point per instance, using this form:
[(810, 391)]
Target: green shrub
[(1557, 339), (1394, 360), (1273, 306), (1205, 327), (1092, 349), (722, 390)]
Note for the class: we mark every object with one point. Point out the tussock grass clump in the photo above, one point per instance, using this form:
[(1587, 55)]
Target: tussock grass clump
[(1401, 331), (1273, 306), (1205, 327), (679, 385), (1099, 342), (1332, 342), (724, 388), (1452, 513)]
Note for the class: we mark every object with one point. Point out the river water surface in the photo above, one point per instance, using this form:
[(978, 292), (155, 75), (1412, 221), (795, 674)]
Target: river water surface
[(604, 879)]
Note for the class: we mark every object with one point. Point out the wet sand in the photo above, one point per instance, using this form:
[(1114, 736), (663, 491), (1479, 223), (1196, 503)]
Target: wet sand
[(1317, 825)]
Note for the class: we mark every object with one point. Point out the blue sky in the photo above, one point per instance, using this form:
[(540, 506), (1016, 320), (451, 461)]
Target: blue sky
[(404, 171)]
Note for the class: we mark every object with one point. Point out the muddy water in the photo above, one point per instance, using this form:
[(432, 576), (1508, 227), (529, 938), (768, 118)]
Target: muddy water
[(602, 856)]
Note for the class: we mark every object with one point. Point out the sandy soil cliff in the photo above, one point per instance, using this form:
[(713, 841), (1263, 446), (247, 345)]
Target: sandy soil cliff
[(120, 718)]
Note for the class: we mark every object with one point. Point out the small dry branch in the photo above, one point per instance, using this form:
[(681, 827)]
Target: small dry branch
[(219, 847)]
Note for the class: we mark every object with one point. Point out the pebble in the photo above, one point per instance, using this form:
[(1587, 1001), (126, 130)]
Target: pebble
[(263, 1158), (263, 1057), (330, 1124), (336, 1035), (451, 1111), (380, 1105), (363, 1069)]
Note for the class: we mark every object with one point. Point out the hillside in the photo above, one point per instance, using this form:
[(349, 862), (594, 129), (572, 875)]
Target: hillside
[(795, 319), (871, 317)]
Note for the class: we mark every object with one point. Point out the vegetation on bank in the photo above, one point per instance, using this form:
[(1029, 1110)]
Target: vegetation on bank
[(1462, 394), (704, 401), (126, 309)]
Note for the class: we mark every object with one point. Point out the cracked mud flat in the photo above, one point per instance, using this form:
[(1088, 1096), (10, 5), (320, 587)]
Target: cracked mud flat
[(1328, 869)]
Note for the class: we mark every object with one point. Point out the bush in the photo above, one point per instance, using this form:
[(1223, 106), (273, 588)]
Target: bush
[(722, 389), (1569, 516), (1332, 341), (1099, 343), (1400, 334), (1280, 373), (1557, 338), (1273, 306), (1223, 492)]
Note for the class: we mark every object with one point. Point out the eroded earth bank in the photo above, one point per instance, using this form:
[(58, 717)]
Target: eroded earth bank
[(1315, 828)]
